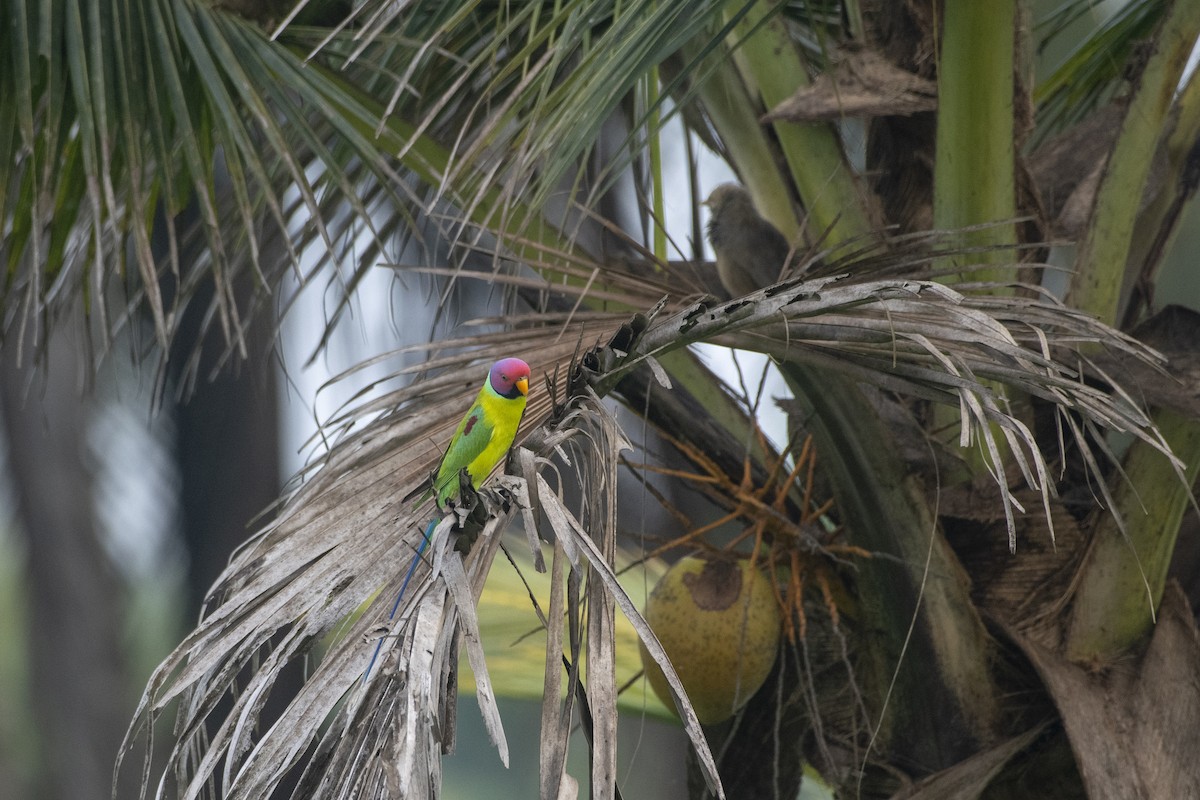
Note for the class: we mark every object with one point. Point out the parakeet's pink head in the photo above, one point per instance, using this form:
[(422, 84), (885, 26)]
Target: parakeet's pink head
[(509, 378)]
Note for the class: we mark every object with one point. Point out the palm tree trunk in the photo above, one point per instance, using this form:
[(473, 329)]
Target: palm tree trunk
[(77, 669)]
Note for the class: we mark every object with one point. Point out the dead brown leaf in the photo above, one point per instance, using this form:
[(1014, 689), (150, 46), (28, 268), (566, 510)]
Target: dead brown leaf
[(861, 83)]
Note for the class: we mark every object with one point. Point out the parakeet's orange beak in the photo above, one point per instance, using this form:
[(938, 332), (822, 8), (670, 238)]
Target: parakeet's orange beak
[(523, 385)]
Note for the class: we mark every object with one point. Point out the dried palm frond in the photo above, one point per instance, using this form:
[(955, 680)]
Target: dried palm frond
[(300, 580), (343, 535), (922, 338)]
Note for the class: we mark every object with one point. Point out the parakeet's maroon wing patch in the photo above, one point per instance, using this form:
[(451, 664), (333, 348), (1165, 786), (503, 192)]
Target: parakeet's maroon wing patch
[(471, 420)]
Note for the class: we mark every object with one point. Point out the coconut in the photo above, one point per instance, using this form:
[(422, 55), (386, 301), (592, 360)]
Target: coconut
[(719, 623)]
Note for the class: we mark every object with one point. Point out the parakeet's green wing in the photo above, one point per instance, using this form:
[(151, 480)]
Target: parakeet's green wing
[(472, 438)]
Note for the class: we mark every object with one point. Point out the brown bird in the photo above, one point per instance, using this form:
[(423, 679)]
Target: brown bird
[(751, 252)]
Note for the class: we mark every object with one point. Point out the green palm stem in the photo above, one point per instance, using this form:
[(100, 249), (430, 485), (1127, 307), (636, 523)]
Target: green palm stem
[(1157, 223), (974, 181), (654, 146), (735, 117), (838, 206), (1122, 580), (1101, 262), (1125, 571)]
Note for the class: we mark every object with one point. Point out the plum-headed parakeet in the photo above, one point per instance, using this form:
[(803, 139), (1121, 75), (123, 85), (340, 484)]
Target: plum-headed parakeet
[(486, 432), (480, 443)]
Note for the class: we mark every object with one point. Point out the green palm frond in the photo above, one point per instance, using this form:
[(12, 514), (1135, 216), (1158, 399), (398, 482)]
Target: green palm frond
[(519, 93), (136, 130), (156, 154), (1096, 66), (129, 120)]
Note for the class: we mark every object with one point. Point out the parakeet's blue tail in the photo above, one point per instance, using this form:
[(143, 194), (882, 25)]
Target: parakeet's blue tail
[(396, 605)]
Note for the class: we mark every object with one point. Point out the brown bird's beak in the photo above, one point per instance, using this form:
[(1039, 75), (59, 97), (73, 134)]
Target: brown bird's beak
[(523, 385)]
